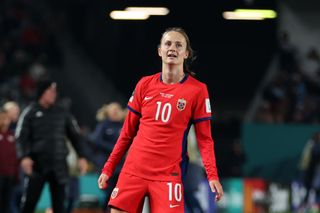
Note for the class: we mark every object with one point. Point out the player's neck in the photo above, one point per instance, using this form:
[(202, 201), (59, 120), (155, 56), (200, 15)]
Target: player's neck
[(172, 76)]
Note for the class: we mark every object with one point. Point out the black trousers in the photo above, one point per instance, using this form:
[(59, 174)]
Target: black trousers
[(33, 187), (6, 188)]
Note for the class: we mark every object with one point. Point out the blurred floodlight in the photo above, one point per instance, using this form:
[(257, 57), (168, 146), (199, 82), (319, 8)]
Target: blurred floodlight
[(249, 14), (129, 15), (154, 11), (236, 16)]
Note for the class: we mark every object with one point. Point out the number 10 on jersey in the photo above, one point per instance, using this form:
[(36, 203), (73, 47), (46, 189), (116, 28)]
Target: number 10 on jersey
[(163, 112), (176, 190)]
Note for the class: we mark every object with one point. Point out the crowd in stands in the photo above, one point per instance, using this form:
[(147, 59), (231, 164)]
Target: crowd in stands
[(292, 96), (27, 50)]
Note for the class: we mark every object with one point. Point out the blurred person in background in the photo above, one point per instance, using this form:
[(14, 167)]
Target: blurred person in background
[(161, 110), (195, 174), (310, 168), (310, 67), (288, 53), (110, 120), (73, 186), (8, 162), (13, 110), (42, 148)]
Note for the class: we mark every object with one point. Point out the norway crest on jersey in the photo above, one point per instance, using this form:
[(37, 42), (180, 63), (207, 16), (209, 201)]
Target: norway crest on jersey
[(181, 104)]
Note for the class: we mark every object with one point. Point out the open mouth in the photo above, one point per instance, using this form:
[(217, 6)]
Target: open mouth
[(171, 56)]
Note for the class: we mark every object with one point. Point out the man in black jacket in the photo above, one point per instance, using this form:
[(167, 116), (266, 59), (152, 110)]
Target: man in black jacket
[(41, 138)]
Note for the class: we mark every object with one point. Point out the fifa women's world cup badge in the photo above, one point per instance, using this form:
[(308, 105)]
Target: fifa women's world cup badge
[(181, 104)]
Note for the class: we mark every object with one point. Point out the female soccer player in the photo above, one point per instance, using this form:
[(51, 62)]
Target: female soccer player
[(161, 111)]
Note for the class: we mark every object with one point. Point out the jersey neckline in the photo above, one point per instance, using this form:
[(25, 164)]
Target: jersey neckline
[(180, 82)]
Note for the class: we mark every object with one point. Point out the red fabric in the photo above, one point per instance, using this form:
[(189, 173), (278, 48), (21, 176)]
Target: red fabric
[(163, 196), (156, 129), (8, 156), (206, 148)]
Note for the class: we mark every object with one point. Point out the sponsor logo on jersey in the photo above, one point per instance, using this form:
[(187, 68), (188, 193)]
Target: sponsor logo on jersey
[(208, 106), (148, 98), (165, 95), (181, 104), (173, 206), (114, 193)]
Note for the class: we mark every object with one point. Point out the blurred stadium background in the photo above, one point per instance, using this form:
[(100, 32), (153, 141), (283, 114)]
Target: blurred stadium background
[(264, 89)]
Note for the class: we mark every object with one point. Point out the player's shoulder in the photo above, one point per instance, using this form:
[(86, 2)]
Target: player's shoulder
[(149, 78)]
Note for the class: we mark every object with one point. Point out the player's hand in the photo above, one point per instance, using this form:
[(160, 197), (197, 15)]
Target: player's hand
[(27, 165), (102, 181), (216, 188), (83, 166)]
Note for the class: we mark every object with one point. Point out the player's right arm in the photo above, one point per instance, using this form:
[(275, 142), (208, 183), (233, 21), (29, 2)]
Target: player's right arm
[(128, 132)]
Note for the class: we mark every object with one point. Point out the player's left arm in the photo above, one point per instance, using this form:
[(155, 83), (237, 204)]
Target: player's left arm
[(206, 148), (202, 123)]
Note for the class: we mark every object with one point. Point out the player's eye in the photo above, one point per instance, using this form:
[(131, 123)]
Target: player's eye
[(178, 45), (167, 43)]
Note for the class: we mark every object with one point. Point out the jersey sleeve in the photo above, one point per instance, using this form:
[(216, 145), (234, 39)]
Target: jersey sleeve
[(201, 119), (202, 108), (128, 132), (134, 104), (206, 148)]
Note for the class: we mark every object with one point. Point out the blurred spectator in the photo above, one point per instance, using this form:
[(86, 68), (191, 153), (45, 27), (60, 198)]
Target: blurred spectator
[(276, 95), (310, 167), (310, 69), (42, 148), (27, 86), (310, 65), (194, 176), (13, 110), (264, 113), (237, 159), (110, 118), (293, 94), (27, 42), (296, 94), (73, 186), (8, 162), (287, 54)]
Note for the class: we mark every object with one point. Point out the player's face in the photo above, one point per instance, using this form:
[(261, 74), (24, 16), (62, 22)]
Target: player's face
[(173, 48)]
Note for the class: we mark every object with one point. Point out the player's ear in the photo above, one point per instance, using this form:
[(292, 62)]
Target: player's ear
[(186, 55), (159, 52)]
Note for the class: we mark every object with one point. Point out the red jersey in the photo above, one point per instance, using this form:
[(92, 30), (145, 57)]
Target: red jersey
[(157, 126)]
